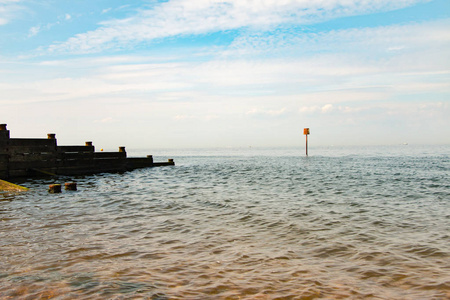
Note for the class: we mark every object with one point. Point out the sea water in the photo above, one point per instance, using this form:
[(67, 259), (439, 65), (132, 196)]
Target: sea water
[(343, 223)]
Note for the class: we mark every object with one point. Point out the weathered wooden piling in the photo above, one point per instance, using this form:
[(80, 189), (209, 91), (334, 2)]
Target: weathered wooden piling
[(4, 156), (70, 186), (54, 188)]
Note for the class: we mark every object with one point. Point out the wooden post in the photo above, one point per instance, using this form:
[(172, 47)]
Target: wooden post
[(150, 158), (71, 186), (122, 149), (54, 188), (88, 143), (4, 133), (51, 136)]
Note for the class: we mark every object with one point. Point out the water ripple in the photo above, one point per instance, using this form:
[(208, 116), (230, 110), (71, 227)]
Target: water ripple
[(231, 227)]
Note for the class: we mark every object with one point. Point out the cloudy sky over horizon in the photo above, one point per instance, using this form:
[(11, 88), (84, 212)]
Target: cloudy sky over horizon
[(209, 73)]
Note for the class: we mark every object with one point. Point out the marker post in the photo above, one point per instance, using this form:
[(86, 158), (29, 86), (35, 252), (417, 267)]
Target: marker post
[(306, 133)]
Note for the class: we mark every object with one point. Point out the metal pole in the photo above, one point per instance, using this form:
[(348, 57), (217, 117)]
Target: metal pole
[(306, 132), (306, 145)]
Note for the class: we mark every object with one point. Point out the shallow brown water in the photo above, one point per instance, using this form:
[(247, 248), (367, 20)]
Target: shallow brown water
[(235, 227)]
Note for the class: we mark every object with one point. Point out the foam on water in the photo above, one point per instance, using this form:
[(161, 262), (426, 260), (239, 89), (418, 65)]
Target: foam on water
[(253, 224)]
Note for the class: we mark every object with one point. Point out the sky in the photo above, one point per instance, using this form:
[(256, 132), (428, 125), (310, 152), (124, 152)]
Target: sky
[(228, 73)]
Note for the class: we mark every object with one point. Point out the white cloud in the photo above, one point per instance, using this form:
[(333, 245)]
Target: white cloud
[(396, 48), (38, 28), (185, 17), (34, 30), (7, 10), (414, 114), (309, 109), (353, 76), (327, 108), (378, 41), (364, 74), (320, 79)]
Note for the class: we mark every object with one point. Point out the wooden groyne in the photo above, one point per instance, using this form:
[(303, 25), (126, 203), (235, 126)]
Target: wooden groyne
[(24, 157)]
